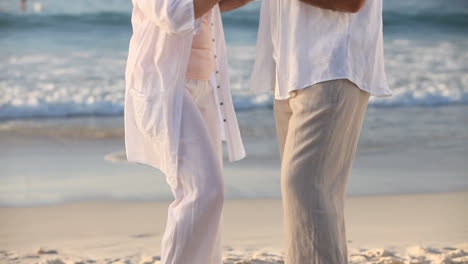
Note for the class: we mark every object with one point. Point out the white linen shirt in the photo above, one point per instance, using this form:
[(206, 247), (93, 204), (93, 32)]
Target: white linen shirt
[(300, 45), (157, 62)]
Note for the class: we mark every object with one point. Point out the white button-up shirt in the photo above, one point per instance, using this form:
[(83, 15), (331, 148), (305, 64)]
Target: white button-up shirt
[(158, 57), (300, 45)]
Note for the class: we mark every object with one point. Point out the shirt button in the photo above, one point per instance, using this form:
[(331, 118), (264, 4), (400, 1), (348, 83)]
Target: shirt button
[(213, 40), (221, 103), (224, 120), (219, 87), (217, 72)]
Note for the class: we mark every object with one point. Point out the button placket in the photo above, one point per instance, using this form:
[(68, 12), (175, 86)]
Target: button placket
[(218, 86)]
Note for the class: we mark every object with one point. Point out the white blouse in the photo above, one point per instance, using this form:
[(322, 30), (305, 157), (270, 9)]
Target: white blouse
[(158, 56)]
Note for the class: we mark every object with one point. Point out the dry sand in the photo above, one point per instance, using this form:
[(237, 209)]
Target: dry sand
[(425, 229)]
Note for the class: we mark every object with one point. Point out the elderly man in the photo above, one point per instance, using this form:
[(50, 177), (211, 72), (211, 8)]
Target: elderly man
[(323, 59)]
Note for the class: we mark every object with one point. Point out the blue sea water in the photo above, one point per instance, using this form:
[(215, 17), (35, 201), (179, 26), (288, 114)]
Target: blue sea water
[(67, 58)]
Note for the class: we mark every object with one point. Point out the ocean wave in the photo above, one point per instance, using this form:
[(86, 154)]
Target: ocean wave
[(244, 18), (62, 86), (242, 103), (34, 21), (85, 77), (428, 20)]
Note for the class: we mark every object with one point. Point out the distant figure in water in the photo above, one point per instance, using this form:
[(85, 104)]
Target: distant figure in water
[(37, 7), (23, 5)]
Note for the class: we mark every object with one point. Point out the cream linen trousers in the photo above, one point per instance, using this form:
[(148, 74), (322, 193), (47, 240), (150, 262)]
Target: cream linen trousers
[(318, 130), (193, 232)]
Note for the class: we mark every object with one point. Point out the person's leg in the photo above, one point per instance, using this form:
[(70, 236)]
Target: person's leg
[(193, 229), (319, 149), (206, 104)]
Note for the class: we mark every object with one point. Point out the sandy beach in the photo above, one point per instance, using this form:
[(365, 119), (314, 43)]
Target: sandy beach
[(68, 196), (425, 228)]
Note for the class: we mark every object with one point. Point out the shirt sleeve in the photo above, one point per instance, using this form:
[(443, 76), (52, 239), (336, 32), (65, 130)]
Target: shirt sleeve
[(263, 76), (172, 16)]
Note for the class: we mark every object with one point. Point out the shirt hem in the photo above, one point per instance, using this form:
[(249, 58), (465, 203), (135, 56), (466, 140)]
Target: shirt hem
[(385, 93)]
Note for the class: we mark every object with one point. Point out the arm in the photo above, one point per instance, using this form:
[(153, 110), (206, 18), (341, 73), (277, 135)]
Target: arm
[(203, 6), (351, 6), (228, 5)]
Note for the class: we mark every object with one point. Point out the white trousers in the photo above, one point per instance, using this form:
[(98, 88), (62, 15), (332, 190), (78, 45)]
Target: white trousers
[(194, 228)]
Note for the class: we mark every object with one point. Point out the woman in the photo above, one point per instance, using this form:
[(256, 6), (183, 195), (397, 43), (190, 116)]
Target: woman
[(178, 108)]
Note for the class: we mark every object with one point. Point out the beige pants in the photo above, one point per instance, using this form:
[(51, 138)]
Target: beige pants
[(318, 131)]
